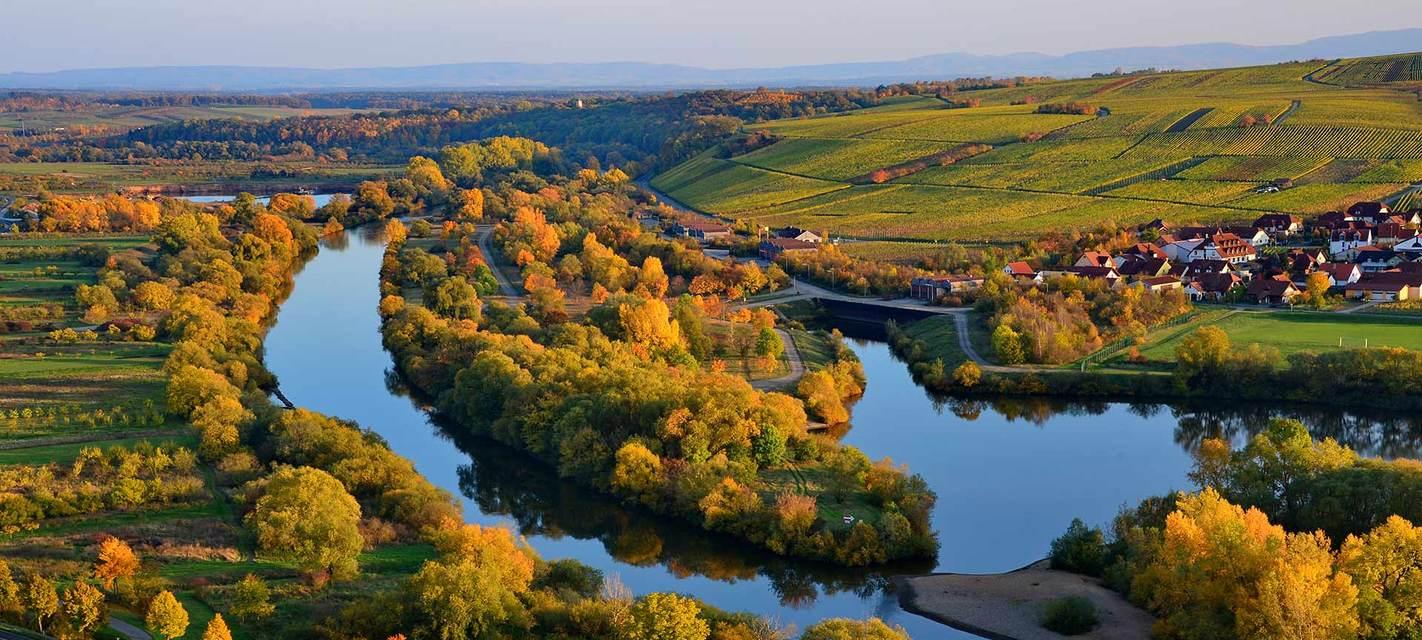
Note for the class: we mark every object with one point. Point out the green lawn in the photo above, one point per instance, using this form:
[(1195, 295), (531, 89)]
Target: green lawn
[(66, 453), (940, 334), (1296, 331)]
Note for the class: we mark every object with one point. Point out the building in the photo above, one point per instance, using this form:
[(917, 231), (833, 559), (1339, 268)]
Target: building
[(1373, 212), (1344, 243), (1095, 259), (1390, 233), (1021, 271), (1213, 286), (1341, 274), (1275, 290), (775, 247), (703, 231), (1279, 224), (796, 233), (1388, 286), (1374, 259), (1161, 283), (1108, 273), (1142, 250), (1224, 246), (1410, 248), (1179, 250), (1134, 266), (933, 288)]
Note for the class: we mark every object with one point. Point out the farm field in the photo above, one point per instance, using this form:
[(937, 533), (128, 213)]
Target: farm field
[(1190, 147), (1296, 331), (124, 118)]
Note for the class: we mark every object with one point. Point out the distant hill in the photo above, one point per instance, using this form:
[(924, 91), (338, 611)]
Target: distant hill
[(641, 75)]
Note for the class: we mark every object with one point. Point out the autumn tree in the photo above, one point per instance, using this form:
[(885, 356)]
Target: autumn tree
[(1007, 344), (217, 629), (474, 585), (653, 277), (10, 599), (821, 397), (638, 471), (82, 608), (667, 616), (846, 629), (166, 616), (968, 374), (40, 600), (455, 298), (1202, 356), (116, 561), (1386, 565), (306, 515), (1316, 291)]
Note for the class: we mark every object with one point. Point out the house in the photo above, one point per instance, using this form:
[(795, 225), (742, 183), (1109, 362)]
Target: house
[(1304, 262), (1410, 248), (1142, 250), (1272, 290), (1344, 243), (1095, 259), (773, 248), (1387, 286), (1331, 220), (1021, 271), (1373, 259), (1390, 233), (1161, 283), (1214, 286), (933, 288), (1253, 235), (1341, 274), (1373, 212), (1201, 268), (1279, 224), (796, 233), (1224, 246), (703, 231), (1133, 266), (1108, 273), (1179, 250)]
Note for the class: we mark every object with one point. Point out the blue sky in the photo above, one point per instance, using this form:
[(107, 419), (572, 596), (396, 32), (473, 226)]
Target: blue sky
[(46, 35)]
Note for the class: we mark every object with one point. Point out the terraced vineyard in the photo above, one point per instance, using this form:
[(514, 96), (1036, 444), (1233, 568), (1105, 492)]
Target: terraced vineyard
[(1188, 147)]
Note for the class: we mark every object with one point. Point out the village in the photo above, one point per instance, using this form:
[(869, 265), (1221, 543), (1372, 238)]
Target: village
[(1367, 254)]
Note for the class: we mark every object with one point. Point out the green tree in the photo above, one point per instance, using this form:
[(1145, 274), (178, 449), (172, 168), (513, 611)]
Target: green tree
[(251, 599), (1202, 356), (166, 616), (1386, 565), (456, 298), (307, 516), (1007, 345), (768, 343)]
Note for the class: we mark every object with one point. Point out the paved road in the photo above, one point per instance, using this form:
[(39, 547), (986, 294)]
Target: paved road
[(129, 631), (486, 247)]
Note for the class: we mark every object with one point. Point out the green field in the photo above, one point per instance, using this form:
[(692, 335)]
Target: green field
[(1296, 331), (1172, 145)]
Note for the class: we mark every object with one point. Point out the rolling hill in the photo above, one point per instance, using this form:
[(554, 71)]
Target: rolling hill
[(1186, 147)]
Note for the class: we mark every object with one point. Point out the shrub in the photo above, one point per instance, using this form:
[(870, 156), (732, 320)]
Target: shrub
[(1070, 616), (1081, 549)]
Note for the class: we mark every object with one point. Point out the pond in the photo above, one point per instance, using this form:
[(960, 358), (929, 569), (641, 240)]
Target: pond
[(1010, 474)]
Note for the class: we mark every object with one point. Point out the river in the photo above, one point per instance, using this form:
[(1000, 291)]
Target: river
[(1010, 475)]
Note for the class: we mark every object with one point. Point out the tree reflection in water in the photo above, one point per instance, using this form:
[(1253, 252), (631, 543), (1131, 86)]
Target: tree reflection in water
[(505, 482)]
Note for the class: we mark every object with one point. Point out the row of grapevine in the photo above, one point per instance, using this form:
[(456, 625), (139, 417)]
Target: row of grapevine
[(1336, 142)]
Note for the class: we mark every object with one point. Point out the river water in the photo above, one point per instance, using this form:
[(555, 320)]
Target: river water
[(1010, 475)]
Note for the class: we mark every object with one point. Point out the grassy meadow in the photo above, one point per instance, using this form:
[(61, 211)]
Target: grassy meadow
[(1297, 331), (1190, 147)]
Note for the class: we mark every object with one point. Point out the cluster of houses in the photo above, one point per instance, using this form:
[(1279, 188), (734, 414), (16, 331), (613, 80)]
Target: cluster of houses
[(1373, 254)]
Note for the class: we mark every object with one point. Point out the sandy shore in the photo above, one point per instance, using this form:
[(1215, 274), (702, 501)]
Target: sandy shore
[(1008, 606)]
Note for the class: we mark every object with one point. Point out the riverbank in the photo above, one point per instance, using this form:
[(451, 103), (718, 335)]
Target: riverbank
[(1009, 606)]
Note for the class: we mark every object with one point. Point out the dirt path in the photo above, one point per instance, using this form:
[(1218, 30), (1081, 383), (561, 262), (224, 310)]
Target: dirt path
[(792, 357), (1008, 606)]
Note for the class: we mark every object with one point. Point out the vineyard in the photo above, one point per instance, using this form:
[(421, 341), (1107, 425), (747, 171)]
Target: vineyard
[(1189, 147)]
